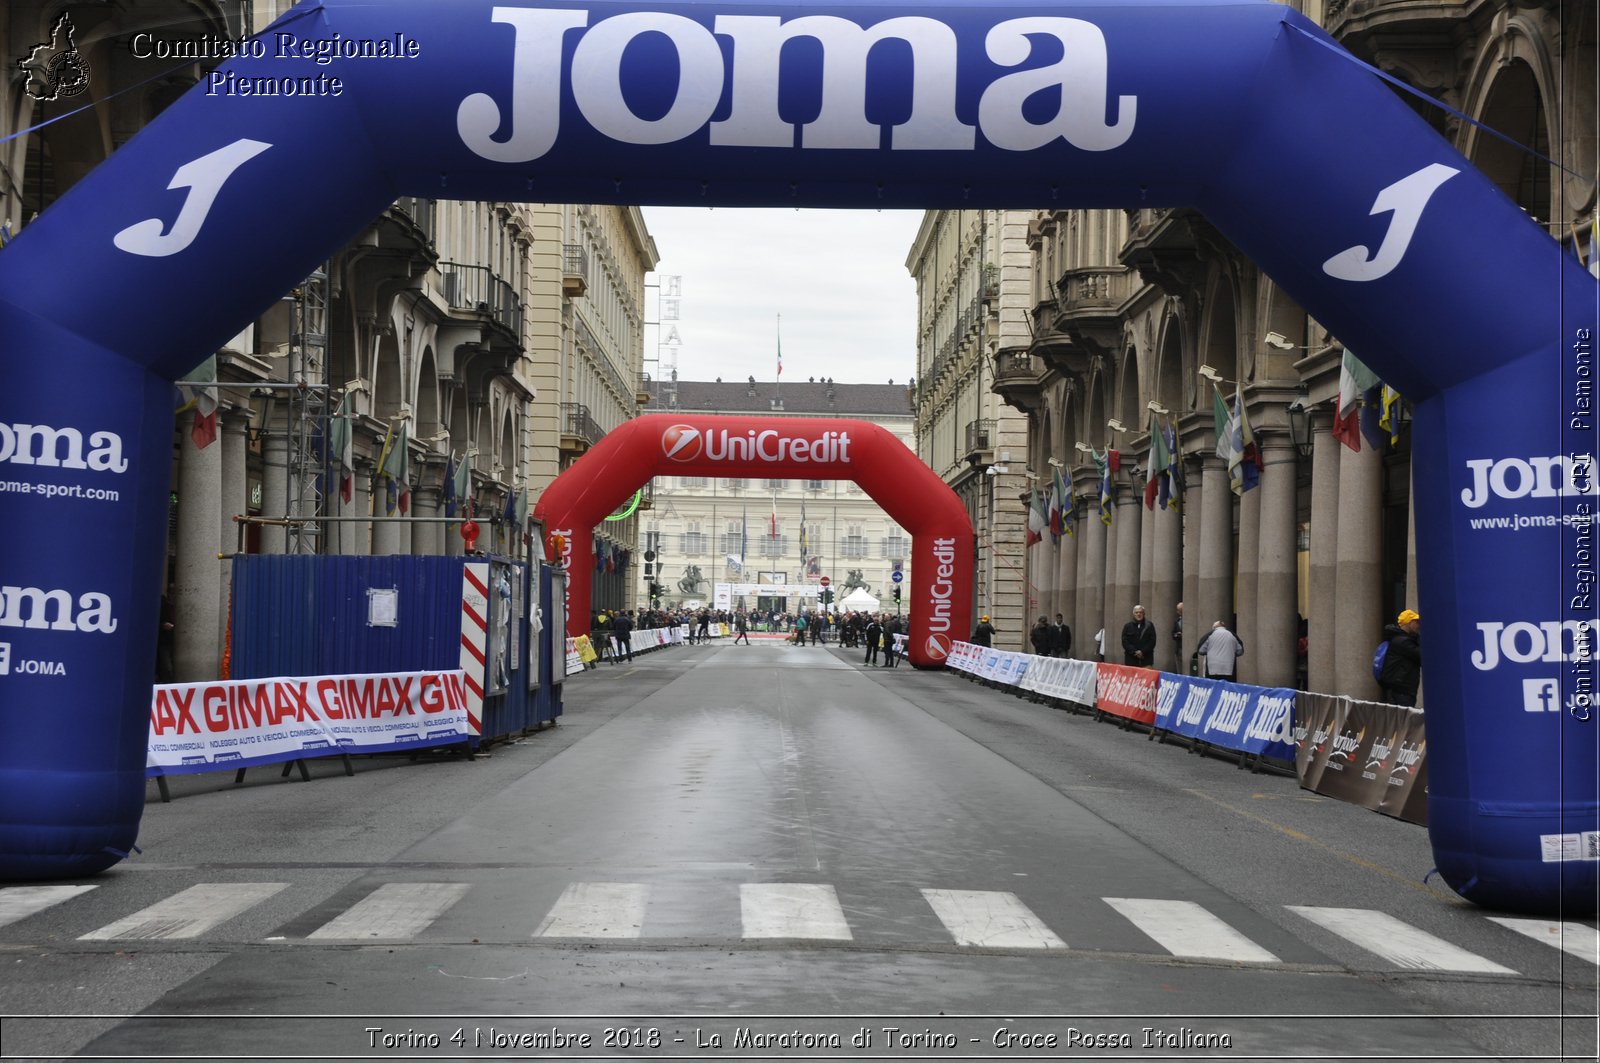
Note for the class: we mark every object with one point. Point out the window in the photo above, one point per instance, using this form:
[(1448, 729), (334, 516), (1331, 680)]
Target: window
[(694, 481), (694, 541), (853, 546), (733, 538), (816, 485), (771, 547), (736, 483), (775, 485), (894, 547)]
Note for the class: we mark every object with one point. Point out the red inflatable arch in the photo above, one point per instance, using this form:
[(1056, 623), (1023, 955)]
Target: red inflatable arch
[(813, 448)]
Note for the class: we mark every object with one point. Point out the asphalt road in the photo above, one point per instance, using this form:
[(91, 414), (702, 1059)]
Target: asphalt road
[(731, 852)]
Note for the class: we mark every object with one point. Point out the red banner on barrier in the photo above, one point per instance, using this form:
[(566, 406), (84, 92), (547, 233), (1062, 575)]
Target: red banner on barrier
[(1127, 692)]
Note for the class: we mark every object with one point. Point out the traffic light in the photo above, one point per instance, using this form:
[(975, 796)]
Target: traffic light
[(897, 592), (827, 596)]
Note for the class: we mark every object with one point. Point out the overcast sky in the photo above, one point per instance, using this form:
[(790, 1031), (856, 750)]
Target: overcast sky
[(838, 278)]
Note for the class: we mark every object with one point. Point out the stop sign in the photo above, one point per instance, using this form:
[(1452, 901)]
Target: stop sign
[(824, 581)]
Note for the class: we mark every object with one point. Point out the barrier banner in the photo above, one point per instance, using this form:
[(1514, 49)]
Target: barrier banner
[(1010, 668), (1346, 747), (1127, 692), (1318, 718), (1405, 791), (1268, 723), (196, 727)]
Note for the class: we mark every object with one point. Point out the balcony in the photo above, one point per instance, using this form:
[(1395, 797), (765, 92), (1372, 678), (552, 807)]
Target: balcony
[(1087, 306), (641, 390), (1163, 246), (574, 271), (477, 289), (980, 442), (1019, 379), (579, 429)]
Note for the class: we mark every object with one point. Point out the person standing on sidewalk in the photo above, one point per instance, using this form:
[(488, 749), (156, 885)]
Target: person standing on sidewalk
[(874, 634), (741, 629), (1222, 650), (1138, 640)]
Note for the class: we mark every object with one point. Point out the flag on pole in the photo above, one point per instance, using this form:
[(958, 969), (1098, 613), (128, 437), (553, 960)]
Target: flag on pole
[(341, 450), (204, 401), (1357, 384), (395, 468), (780, 346), (804, 544), (1058, 504), (1222, 422), (1389, 418), (1246, 473), (1103, 464), (1069, 515), (1174, 482), (463, 483), (450, 485), (1154, 486), (774, 514), (1037, 523), (744, 533)]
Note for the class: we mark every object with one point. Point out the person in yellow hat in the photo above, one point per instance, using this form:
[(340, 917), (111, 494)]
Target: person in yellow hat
[(983, 634), (1401, 672)]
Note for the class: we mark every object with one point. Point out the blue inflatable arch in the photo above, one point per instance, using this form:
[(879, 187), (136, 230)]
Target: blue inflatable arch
[(1244, 110)]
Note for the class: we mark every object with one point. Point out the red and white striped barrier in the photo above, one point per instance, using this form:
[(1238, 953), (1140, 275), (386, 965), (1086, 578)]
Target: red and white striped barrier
[(475, 637)]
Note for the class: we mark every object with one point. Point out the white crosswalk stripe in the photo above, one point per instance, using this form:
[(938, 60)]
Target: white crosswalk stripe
[(1186, 929), (597, 910), (19, 902), (188, 914), (994, 920), (1575, 938), (1398, 942), (792, 910), (393, 911)]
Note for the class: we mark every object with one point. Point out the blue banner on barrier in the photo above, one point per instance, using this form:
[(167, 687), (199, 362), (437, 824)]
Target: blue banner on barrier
[(1249, 719)]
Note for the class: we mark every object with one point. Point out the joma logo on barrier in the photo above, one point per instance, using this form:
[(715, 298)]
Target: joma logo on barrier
[(941, 587), (1273, 721), (31, 607), (1230, 712), (1521, 642), (1078, 79), (1542, 477), (63, 448)]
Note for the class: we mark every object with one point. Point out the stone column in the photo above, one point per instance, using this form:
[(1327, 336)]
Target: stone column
[(1277, 628), (1092, 577), (1358, 620), (1166, 584), (1193, 507), (1248, 622), (1214, 601), (197, 583), (274, 488), (427, 537), (1067, 584), (1049, 569), (1147, 556), (359, 541), (235, 500), (1323, 591), (388, 536), (1111, 617), (1130, 538)]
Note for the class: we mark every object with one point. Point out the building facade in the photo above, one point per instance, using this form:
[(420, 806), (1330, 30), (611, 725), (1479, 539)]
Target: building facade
[(1142, 317), (974, 292), (452, 343), (706, 531)]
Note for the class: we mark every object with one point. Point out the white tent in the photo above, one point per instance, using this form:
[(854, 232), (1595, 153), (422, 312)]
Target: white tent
[(857, 599)]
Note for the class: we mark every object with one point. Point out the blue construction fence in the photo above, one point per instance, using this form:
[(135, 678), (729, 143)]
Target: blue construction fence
[(322, 615)]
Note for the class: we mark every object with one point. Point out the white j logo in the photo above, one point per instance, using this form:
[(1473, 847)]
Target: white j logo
[(204, 177), (1406, 198)]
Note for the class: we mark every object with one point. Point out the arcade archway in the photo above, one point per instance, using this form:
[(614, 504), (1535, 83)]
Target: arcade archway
[(1299, 155), (809, 448)]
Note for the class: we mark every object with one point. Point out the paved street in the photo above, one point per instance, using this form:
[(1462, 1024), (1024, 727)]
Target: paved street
[(740, 852)]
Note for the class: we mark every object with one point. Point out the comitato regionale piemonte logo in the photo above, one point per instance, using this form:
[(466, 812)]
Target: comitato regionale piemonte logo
[(55, 68)]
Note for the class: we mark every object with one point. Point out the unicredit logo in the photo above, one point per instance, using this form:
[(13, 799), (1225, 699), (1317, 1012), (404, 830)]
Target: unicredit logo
[(682, 442), (938, 647)]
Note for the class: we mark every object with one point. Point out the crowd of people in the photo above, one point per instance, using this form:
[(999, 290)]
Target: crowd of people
[(1397, 664)]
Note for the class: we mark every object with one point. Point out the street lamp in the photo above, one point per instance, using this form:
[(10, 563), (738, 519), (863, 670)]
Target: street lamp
[(1300, 425)]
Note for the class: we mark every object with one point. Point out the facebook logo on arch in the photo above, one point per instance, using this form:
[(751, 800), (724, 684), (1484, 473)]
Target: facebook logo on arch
[(1540, 695)]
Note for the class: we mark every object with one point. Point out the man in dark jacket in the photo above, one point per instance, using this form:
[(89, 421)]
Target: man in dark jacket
[(622, 632), (1063, 641), (874, 635), (1402, 664), (983, 634), (1042, 636), (1139, 640)]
